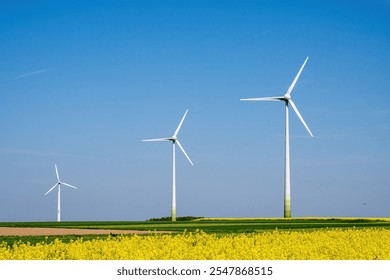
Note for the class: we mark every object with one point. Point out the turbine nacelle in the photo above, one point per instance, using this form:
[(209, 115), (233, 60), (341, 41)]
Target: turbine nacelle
[(287, 97)]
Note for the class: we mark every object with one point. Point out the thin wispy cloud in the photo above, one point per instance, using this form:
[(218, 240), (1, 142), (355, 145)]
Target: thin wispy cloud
[(12, 151), (33, 73)]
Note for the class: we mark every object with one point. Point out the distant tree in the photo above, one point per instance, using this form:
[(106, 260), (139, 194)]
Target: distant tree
[(169, 218)]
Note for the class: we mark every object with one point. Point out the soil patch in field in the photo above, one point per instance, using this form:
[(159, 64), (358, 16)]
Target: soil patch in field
[(15, 231)]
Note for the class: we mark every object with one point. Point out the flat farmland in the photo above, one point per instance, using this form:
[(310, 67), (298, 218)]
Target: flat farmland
[(300, 238), (215, 225)]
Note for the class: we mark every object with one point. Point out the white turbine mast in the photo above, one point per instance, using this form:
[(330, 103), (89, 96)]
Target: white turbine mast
[(174, 141), (58, 184), (286, 98)]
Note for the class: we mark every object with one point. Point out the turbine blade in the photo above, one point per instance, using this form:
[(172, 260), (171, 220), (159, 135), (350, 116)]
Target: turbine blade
[(300, 117), (58, 176), (296, 77), (181, 122), (51, 189), (184, 152), (276, 98), (157, 140), (68, 185)]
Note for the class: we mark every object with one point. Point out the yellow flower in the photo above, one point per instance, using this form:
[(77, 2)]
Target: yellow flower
[(335, 244)]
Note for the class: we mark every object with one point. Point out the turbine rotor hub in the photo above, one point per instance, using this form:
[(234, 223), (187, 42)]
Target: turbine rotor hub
[(287, 96)]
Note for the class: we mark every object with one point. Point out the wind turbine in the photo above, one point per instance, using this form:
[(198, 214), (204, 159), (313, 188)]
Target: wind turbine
[(58, 184), (286, 98), (174, 140)]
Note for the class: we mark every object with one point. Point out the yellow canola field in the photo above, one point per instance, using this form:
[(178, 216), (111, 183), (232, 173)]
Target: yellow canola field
[(351, 244)]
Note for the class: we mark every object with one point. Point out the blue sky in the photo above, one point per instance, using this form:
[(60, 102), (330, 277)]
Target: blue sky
[(81, 84)]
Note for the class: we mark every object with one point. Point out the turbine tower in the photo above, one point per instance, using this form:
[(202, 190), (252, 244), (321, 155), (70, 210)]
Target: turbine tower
[(286, 98), (174, 141), (58, 184)]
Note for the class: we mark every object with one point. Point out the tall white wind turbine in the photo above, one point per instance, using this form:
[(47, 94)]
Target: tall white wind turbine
[(58, 184), (286, 98), (174, 140)]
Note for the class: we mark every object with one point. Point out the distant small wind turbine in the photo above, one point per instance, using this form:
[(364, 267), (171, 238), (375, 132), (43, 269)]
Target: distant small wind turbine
[(58, 184), (174, 140), (286, 98)]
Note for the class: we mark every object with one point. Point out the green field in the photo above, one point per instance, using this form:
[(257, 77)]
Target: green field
[(219, 226), (223, 225)]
